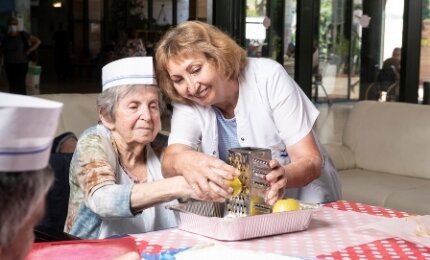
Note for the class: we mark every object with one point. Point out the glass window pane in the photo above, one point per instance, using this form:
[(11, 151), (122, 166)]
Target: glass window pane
[(290, 35), (95, 8), (162, 12), (183, 13), (78, 43), (202, 10), (94, 39), (255, 31), (333, 49), (338, 50), (78, 8), (424, 89)]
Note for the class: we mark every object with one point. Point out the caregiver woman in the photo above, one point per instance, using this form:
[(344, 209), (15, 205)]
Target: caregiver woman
[(222, 99)]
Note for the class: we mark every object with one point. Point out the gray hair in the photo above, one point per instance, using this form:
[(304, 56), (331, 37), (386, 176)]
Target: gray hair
[(107, 100), (19, 191)]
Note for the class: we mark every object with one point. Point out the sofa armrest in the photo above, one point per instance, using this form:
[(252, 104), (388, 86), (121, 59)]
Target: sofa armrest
[(341, 155)]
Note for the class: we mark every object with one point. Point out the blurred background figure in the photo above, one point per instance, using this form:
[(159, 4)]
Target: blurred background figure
[(394, 60), (132, 46), (291, 50), (25, 176), (18, 48), (61, 41)]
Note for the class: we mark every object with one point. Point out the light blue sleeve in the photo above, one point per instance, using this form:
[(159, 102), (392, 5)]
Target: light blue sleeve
[(111, 201)]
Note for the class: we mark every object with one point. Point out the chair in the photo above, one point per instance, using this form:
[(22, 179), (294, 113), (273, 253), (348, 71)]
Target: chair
[(50, 228), (316, 84), (386, 86)]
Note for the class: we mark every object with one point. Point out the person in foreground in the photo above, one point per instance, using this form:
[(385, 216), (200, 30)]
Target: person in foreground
[(116, 185), (25, 176), (222, 100)]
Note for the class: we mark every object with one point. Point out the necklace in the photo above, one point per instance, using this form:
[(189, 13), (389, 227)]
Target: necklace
[(133, 177)]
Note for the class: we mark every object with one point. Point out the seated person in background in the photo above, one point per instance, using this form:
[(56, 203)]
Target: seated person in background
[(223, 100), (291, 50), (132, 46), (116, 185), (64, 143), (25, 176), (394, 60)]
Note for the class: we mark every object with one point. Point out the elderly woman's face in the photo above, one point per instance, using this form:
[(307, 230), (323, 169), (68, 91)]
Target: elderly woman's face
[(137, 118), (196, 79)]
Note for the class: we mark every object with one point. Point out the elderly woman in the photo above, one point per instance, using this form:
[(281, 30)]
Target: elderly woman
[(223, 100), (116, 185)]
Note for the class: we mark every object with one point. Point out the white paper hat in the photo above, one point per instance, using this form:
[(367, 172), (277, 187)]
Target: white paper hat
[(27, 128), (127, 71)]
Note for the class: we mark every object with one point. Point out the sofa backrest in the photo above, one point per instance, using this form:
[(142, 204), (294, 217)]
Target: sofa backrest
[(79, 111), (390, 137)]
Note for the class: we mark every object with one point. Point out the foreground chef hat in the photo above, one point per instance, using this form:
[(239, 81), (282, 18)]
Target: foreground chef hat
[(27, 128), (128, 71)]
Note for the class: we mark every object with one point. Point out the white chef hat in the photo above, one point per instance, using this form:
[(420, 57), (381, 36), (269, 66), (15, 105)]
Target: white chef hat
[(27, 128), (128, 71)]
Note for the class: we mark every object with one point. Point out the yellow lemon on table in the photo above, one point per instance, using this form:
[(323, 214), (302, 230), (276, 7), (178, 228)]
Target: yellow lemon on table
[(285, 205), (236, 184)]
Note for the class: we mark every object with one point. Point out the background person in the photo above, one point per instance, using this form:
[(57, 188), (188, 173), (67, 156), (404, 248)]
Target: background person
[(25, 176), (132, 46), (116, 185), (394, 60), (17, 48), (222, 99), (62, 42)]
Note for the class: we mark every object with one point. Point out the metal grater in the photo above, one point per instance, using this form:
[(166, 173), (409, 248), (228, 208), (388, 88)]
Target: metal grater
[(205, 208), (253, 164)]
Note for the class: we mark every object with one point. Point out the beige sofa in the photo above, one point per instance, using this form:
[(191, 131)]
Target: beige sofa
[(79, 111), (383, 154), (383, 157)]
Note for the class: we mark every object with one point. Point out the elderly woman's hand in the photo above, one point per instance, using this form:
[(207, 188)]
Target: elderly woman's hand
[(207, 174), (277, 180), (195, 192)]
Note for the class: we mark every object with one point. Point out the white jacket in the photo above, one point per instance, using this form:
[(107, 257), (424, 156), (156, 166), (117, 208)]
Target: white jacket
[(272, 112)]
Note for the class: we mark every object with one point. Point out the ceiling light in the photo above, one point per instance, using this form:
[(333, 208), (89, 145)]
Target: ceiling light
[(57, 4)]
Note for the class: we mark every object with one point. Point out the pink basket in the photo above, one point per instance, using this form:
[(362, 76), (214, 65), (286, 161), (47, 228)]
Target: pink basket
[(206, 219)]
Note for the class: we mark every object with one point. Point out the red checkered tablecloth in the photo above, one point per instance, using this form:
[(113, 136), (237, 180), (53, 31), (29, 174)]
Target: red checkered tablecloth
[(390, 248), (329, 236), (363, 208)]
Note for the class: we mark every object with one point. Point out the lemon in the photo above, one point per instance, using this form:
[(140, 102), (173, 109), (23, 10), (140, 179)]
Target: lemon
[(236, 184), (285, 205)]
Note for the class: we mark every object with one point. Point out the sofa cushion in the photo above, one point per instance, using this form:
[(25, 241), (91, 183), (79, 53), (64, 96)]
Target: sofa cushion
[(79, 111), (390, 137), (413, 200), (386, 190), (341, 155)]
